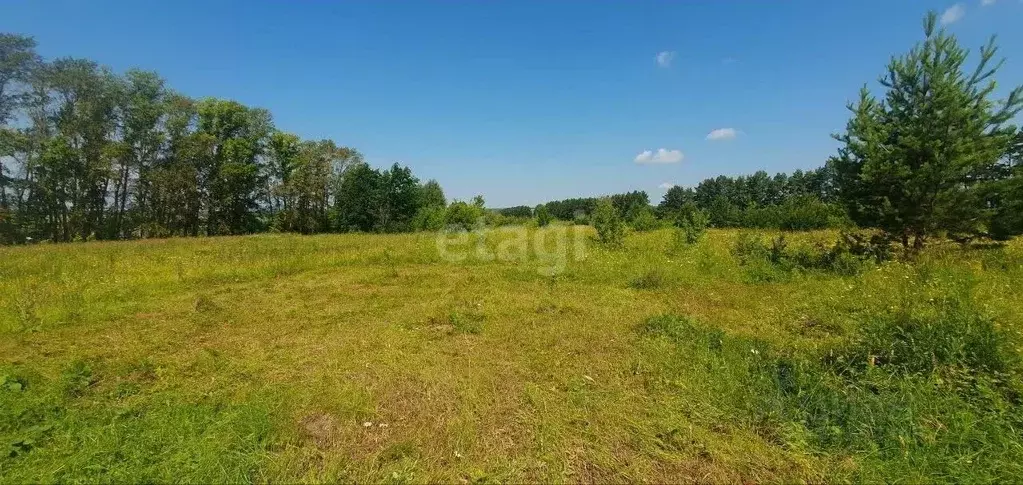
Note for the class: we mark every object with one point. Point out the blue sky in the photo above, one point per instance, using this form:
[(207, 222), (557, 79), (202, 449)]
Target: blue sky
[(523, 101)]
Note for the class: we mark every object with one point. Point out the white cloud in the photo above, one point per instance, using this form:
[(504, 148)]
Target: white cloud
[(666, 185), (662, 155), (728, 60), (664, 58), (953, 14), (984, 3), (722, 134)]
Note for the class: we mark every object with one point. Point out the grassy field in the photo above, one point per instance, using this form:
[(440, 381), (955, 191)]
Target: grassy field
[(371, 358)]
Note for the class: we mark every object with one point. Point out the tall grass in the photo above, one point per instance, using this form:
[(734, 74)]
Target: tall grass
[(929, 390)]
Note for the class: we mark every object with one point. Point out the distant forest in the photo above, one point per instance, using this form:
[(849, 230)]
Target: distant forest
[(801, 201)]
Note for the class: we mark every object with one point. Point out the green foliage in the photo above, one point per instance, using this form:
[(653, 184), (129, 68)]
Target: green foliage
[(522, 211), (901, 169), (77, 378), (869, 245), (467, 322), (401, 199), (775, 261), (946, 336), (359, 199), (773, 382), (806, 213), (432, 195), (630, 204), (122, 156), (543, 216), (645, 220), (465, 215), (690, 225), (52, 436), (430, 218), (580, 210), (948, 398), (801, 201), (571, 209), (650, 280), (609, 225)]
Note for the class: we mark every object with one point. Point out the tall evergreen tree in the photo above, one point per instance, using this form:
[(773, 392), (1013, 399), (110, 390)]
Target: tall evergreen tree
[(917, 162)]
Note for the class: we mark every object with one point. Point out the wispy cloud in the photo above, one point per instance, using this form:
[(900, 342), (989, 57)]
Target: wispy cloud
[(722, 134), (953, 14), (666, 185), (728, 60), (984, 3), (664, 58), (662, 155)]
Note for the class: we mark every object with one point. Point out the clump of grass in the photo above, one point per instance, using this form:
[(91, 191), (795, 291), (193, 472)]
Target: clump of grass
[(651, 279), (76, 378), (204, 304), (943, 387), (946, 335), (469, 322), (28, 317)]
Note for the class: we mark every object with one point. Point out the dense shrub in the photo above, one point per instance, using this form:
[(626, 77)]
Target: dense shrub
[(763, 261), (645, 220), (876, 245), (800, 213), (430, 219), (543, 216), (497, 219), (748, 248), (463, 215), (690, 224), (609, 225), (807, 213)]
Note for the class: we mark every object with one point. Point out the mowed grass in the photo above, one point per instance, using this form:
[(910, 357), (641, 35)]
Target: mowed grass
[(371, 358)]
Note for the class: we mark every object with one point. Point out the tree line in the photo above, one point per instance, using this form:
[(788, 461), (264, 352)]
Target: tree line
[(86, 153), (802, 200)]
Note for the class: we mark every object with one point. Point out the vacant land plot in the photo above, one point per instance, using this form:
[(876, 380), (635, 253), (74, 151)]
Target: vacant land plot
[(372, 358)]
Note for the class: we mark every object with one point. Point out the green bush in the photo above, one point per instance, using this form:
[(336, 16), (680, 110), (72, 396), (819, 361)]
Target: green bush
[(807, 213), (609, 225), (870, 245), (690, 225), (430, 218), (645, 220), (543, 216), (463, 215), (763, 262), (748, 248)]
